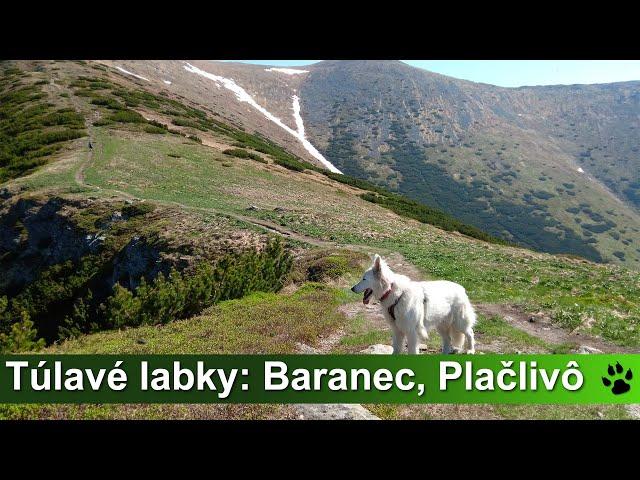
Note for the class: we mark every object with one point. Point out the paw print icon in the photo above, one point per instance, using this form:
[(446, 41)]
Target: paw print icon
[(615, 377)]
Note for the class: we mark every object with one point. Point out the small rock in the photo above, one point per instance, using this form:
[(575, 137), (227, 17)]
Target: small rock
[(141, 341), (532, 319), (378, 349), (252, 207), (586, 349), (333, 411), (588, 322), (600, 414), (306, 349)]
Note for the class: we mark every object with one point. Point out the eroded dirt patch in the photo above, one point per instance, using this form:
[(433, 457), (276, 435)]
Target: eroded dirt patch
[(541, 326)]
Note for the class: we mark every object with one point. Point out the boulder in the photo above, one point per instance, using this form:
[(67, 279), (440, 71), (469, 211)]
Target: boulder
[(586, 349), (378, 349)]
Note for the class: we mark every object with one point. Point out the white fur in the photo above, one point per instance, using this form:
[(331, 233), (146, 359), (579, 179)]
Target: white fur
[(423, 306)]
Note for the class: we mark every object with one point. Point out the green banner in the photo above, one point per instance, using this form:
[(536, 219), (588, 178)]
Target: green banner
[(539, 379)]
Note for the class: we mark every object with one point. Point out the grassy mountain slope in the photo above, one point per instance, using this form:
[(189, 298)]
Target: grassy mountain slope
[(73, 231), (504, 160)]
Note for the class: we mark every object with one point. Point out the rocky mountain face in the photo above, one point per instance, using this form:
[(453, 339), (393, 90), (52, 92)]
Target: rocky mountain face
[(553, 168)]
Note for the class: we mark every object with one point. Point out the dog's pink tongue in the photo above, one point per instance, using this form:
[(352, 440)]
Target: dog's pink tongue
[(367, 296)]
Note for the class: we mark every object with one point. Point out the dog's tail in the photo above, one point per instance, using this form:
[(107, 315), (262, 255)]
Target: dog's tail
[(423, 332), (464, 317)]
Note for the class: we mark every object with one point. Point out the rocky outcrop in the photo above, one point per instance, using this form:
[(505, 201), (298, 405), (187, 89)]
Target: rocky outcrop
[(139, 258), (34, 235)]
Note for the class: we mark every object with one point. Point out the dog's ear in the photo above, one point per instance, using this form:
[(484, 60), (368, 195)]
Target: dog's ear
[(377, 263)]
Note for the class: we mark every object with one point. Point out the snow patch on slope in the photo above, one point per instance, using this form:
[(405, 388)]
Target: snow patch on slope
[(243, 96), (131, 73), (167, 82), (302, 137), (287, 71), (297, 116), (580, 170)]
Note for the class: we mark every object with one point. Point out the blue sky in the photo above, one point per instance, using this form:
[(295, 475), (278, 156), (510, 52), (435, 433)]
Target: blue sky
[(516, 73)]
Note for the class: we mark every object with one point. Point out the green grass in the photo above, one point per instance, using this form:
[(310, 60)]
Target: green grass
[(144, 412), (127, 116), (58, 176), (506, 412), (329, 265), (241, 153), (516, 339), (359, 336), (32, 128), (571, 290), (562, 412), (258, 323)]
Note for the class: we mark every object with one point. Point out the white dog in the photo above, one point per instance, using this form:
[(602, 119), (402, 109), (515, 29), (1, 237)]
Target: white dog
[(412, 309)]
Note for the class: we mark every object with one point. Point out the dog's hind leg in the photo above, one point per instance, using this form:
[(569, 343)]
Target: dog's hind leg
[(457, 339), (443, 330), (470, 343), (464, 318)]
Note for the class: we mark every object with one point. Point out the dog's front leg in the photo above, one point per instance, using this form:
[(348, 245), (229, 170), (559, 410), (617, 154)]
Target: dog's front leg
[(398, 341), (413, 343)]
